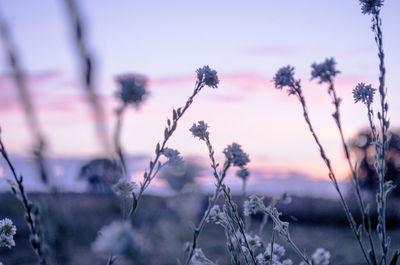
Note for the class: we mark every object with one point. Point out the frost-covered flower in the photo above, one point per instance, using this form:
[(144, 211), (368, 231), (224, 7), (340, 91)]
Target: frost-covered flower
[(278, 252), (208, 76), (325, 71), (243, 173), (234, 154), (284, 77), (277, 249), (116, 238), (254, 241), (200, 130), (253, 205), (199, 258), (321, 257), (217, 216), (7, 232), (173, 156), (125, 188), (370, 6), (133, 88), (364, 93)]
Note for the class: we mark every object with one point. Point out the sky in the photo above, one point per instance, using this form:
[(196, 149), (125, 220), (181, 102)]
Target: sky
[(246, 42)]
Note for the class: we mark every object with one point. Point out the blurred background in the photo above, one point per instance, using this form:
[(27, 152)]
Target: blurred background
[(58, 125)]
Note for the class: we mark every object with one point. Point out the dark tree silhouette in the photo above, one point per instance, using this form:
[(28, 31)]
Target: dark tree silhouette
[(365, 151)]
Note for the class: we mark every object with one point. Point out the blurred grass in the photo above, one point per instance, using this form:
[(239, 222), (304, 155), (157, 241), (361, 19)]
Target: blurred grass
[(163, 225)]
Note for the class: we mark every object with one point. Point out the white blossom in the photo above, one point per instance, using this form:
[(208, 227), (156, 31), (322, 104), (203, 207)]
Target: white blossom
[(321, 257), (7, 232), (173, 156), (208, 76), (116, 238), (132, 88), (124, 188), (325, 71), (216, 216), (253, 205), (200, 130), (284, 77), (364, 93), (234, 154)]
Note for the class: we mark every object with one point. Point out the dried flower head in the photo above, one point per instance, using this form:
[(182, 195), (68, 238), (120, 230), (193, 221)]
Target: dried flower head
[(370, 6), (133, 88), (364, 93), (200, 130), (285, 77), (234, 154), (173, 156), (243, 173), (125, 188), (253, 205), (325, 71), (7, 232), (116, 238), (217, 216), (321, 257), (207, 76)]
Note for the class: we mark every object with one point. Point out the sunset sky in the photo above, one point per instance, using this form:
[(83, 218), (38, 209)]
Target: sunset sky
[(245, 41)]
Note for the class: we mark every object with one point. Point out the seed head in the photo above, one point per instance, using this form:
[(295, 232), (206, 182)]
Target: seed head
[(208, 76), (370, 6), (234, 154), (200, 130), (364, 93), (325, 71), (133, 88)]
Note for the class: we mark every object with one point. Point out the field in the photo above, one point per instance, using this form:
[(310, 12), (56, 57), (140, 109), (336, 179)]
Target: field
[(164, 225)]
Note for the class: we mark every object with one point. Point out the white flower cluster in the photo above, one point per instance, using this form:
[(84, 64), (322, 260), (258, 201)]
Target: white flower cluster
[(7, 232), (234, 154), (199, 258), (370, 6), (208, 76), (285, 77), (116, 238), (200, 130), (325, 71), (364, 93), (217, 216), (253, 241), (278, 252), (125, 188), (173, 156), (253, 205), (132, 88), (319, 257)]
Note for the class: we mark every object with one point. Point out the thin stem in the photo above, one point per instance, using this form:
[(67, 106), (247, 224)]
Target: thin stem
[(238, 221), (332, 177), (28, 206), (169, 130), (384, 124), (117, 137), (364, 214)]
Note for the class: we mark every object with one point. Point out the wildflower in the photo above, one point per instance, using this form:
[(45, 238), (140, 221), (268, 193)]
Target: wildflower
[(217, 216), (173, 156), (208, 76), (132, 88), (254, 241), (253, 205), (370, 6), (284, 77), (200, 130), (324, 71), (199, 258), (124, 188), (243, 173), (277, 250), (7, 232), (321, 257), (234, 154), (364, 93), (116, 238)]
